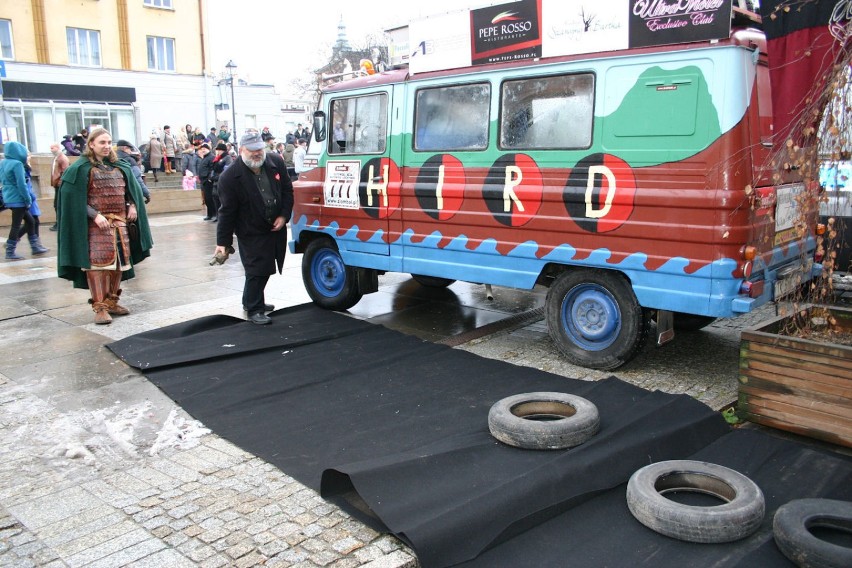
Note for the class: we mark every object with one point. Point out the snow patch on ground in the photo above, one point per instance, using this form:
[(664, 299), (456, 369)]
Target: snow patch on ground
[(178, 432), (96, 438)]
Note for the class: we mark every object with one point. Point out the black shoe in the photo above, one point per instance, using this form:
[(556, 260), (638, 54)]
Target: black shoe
[(207, 218), (214, 219), (266, 308), (54, 227), (260, 319)]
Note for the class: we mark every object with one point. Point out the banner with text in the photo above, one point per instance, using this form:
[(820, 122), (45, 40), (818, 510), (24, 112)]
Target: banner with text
[(586, 26), (506, 32), (528, 29), (658, 22)]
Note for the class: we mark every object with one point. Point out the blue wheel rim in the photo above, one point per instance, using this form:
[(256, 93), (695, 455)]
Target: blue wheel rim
[(328, 273), (590, 317)]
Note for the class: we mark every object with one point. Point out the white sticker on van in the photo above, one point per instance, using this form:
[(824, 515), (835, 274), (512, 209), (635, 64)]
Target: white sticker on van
[(340, 189), (787, 206)]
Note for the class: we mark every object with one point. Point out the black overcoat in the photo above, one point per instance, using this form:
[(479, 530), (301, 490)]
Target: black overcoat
[(242, 213)]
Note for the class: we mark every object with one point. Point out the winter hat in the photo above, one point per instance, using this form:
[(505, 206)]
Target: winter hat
[(252, 141)]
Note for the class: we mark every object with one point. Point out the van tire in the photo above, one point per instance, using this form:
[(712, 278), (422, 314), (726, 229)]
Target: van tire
[(739, 516), (691, 322), (432, 281), (791, 525), (543, 420), (330, 283), (595, 319)]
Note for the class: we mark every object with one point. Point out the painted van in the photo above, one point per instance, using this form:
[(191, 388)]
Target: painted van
[(634, 184)]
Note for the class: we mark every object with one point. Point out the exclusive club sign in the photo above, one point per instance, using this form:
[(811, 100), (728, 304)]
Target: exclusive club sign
[(661, 22), (506, 32)]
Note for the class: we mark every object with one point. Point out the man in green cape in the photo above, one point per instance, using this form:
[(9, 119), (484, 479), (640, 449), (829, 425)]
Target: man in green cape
[(98, 198)]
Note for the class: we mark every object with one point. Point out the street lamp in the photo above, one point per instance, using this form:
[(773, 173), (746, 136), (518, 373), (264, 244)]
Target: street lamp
[(231, 67)]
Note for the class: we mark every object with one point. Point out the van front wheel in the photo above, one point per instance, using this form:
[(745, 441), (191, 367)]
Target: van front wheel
[(595, 319), (330, 283)]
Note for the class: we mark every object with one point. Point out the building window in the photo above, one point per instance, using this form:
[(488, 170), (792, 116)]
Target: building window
[(38, 125), (159, 3), (161, 53), (452, 118), (84, 47), (6, 40)]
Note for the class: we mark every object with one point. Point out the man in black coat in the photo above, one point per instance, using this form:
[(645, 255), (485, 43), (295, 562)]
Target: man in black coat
[(256, 197)]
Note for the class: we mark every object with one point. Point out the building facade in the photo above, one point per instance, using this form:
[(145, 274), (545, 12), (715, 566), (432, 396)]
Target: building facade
[(132, 66)]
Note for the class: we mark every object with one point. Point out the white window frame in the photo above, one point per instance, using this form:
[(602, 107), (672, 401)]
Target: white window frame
[(84, 59), (10, 54), (165, 4), (160, 44)]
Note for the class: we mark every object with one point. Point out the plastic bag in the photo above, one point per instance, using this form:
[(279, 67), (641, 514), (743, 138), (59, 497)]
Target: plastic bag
[(188, 181)]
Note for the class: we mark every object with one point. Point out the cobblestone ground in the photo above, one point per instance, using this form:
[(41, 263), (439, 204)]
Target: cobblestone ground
[(86, 480), (703, 364), (210, 505)]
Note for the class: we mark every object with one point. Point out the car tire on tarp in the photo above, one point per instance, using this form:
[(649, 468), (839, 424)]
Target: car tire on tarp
[(792, 526), (739, 516), (543, 420)]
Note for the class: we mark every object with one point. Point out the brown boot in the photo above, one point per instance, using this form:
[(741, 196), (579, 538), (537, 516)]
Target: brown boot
[(99, 284), (111, 299), (102, 316)]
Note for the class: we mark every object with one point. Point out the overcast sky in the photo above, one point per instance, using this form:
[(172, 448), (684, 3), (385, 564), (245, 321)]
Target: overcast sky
[(271, 41)]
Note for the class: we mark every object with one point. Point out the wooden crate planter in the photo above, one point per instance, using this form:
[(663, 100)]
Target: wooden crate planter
[(800, 385)]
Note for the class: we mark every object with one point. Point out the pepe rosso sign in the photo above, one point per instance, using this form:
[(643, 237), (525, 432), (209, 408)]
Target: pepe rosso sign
[(506, 32)]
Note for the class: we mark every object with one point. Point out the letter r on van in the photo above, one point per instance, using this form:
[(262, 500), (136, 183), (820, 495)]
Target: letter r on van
[(591, 212), (514, 176)]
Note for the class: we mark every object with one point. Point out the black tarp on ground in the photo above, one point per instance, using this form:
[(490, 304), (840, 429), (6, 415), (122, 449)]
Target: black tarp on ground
[(602, 532), (395, 428)]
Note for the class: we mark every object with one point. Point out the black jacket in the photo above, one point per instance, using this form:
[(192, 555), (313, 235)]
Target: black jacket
[(217, 167), (243, 213), (205, 167)]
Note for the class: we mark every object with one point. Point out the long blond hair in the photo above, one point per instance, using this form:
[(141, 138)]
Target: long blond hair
[(90, 154)]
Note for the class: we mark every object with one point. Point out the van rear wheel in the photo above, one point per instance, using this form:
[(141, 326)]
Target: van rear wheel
[(330, 283), (595, 319)]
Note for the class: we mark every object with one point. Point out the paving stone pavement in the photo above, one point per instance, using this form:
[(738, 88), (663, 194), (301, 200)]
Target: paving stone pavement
[(101, 469), (209, 505)]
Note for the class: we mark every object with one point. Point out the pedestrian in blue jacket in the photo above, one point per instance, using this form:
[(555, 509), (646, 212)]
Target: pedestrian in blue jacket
[(17, 197)]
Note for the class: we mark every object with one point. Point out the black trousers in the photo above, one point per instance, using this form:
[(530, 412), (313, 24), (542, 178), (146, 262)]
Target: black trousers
[(209, 202), (21, 214), (253, 299), (23, 230)]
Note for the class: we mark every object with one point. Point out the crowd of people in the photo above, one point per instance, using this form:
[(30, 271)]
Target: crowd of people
[(100, 202)]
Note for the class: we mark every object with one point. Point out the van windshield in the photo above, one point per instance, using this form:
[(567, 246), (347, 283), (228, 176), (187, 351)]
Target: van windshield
[(359, 124)]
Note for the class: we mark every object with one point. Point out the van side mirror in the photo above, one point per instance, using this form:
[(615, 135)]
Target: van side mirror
[(319, 126)]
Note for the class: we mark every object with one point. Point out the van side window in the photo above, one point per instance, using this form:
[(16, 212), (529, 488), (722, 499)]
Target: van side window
[(359, 125), (452, 118), (548, 112)]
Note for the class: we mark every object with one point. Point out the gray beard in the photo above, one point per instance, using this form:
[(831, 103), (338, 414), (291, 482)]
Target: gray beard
[(254, 164)]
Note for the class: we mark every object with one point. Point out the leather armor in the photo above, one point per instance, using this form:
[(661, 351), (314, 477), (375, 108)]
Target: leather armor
[(106, 195)]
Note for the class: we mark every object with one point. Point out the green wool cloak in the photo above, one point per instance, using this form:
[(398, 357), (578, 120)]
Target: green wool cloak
[(73, 237)]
